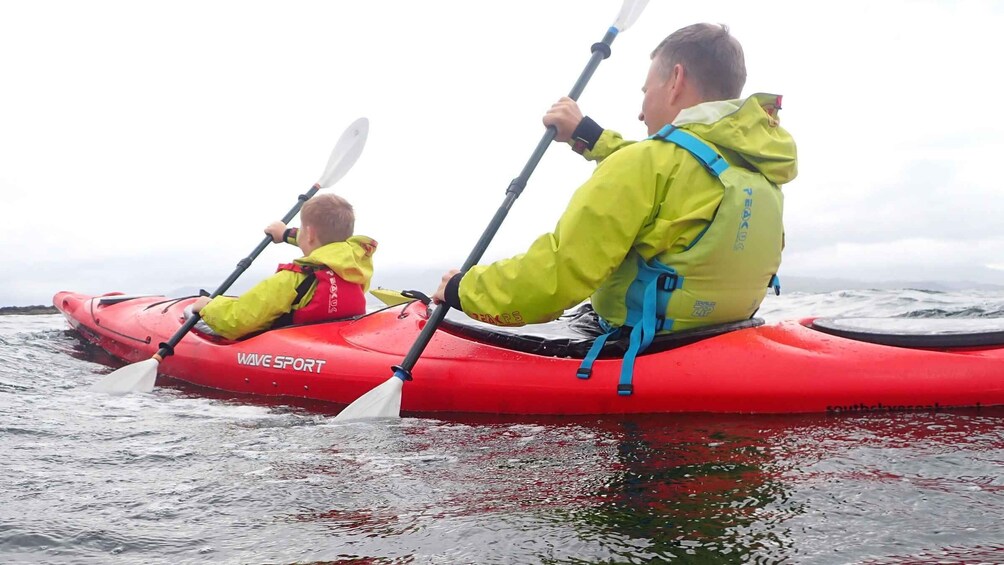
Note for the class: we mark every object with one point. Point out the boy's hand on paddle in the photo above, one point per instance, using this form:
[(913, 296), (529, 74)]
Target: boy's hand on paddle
[(565, 116), (276, 230)]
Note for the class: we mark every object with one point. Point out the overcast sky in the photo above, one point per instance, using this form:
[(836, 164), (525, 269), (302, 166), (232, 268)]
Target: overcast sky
[(144, 145)]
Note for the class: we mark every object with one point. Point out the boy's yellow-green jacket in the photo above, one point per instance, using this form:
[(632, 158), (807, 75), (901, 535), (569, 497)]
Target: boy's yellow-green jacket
[(649, 199), (258, 308)]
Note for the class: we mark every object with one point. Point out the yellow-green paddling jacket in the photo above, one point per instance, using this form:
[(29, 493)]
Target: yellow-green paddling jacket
[(654, 201)]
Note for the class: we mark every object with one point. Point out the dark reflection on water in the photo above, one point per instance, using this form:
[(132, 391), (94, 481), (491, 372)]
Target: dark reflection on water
[(191, 476), (688, 489)]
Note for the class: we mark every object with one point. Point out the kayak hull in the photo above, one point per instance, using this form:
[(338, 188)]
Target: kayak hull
[(776, 368)]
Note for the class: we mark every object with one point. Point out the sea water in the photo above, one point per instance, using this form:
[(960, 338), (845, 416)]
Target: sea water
[(185, 476)]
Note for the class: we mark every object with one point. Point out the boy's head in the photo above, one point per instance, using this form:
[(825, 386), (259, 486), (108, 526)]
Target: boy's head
[(327, 218)]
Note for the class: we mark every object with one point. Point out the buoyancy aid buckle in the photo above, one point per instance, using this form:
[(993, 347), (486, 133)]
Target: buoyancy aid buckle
[(670, 281)]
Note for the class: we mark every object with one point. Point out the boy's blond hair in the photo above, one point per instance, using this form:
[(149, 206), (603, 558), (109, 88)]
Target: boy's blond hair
[(330, 216)]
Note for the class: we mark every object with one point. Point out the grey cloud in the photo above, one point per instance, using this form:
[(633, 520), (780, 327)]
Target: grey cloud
[(928, 202)]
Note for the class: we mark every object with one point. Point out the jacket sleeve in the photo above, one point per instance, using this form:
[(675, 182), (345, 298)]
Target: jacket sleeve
[(255, 310), (595, 143), (562, 268), (608, 143)]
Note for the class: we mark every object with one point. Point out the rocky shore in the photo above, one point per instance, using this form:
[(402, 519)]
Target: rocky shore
[(27, 310)]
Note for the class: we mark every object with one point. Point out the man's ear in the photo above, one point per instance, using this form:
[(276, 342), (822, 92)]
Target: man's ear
[(677, 81)]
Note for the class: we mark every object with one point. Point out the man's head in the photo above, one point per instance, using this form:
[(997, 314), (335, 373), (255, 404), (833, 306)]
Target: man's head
[(325, 219), (698, 63)]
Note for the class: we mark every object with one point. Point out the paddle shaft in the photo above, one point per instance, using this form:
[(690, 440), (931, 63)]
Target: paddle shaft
[(167, 348), (601, 51)]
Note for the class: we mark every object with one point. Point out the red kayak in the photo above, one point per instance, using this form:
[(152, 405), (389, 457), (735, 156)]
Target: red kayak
[(812, 365)]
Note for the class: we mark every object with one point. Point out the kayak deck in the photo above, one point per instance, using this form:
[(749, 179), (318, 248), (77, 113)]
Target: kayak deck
[(921, 333)]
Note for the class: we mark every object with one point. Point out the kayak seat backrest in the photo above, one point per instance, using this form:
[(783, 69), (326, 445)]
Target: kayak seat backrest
[(572, 334), (917, 333)]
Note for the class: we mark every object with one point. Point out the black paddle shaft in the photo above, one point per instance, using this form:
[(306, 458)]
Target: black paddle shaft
[(167, 348), (600, 51)]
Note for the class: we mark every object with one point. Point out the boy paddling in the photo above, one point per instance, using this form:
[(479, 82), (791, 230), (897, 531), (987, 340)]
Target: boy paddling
[(327, 283)]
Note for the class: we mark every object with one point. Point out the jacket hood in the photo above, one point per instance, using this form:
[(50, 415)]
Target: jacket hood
[(351, 259), (748, 132)]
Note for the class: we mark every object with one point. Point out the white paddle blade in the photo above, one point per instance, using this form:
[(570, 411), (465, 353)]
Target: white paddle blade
[(138, 377), (347, 150), (630, 11), (383, 401)]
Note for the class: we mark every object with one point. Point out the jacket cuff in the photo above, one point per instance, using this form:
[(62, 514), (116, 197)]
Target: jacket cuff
[(289, 236), (585, 136), (451, 294)]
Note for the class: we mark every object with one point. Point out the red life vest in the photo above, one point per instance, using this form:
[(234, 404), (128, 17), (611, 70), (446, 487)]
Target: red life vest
[(334, 297)]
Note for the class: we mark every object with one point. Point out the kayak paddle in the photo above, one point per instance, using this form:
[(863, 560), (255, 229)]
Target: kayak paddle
[(140, 377), (384, 401)]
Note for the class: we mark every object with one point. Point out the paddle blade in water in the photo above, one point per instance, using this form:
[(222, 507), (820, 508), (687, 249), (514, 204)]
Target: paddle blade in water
[(383, 401), (347, 150), (138, 377), (630, 11)]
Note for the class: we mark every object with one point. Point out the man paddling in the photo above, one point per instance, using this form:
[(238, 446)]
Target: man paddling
[(678, 231)]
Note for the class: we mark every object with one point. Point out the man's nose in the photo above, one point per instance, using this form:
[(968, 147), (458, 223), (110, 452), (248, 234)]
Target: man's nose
[(641, 117)]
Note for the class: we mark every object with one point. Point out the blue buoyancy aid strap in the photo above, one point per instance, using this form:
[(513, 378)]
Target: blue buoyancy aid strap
[(653, 286), (699, 149), (647, 305), (585, 369)]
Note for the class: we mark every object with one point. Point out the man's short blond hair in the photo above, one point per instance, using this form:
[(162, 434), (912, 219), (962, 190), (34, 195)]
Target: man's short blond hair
[(330, 216), (711, 56)]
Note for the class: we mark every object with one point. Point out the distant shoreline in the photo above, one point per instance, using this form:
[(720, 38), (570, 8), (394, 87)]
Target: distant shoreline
[(27, 310)]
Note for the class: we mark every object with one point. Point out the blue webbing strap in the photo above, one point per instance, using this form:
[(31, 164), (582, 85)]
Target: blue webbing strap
[(775, 283), (700, 150), (585, 370), (641, 337), (652, 321)]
